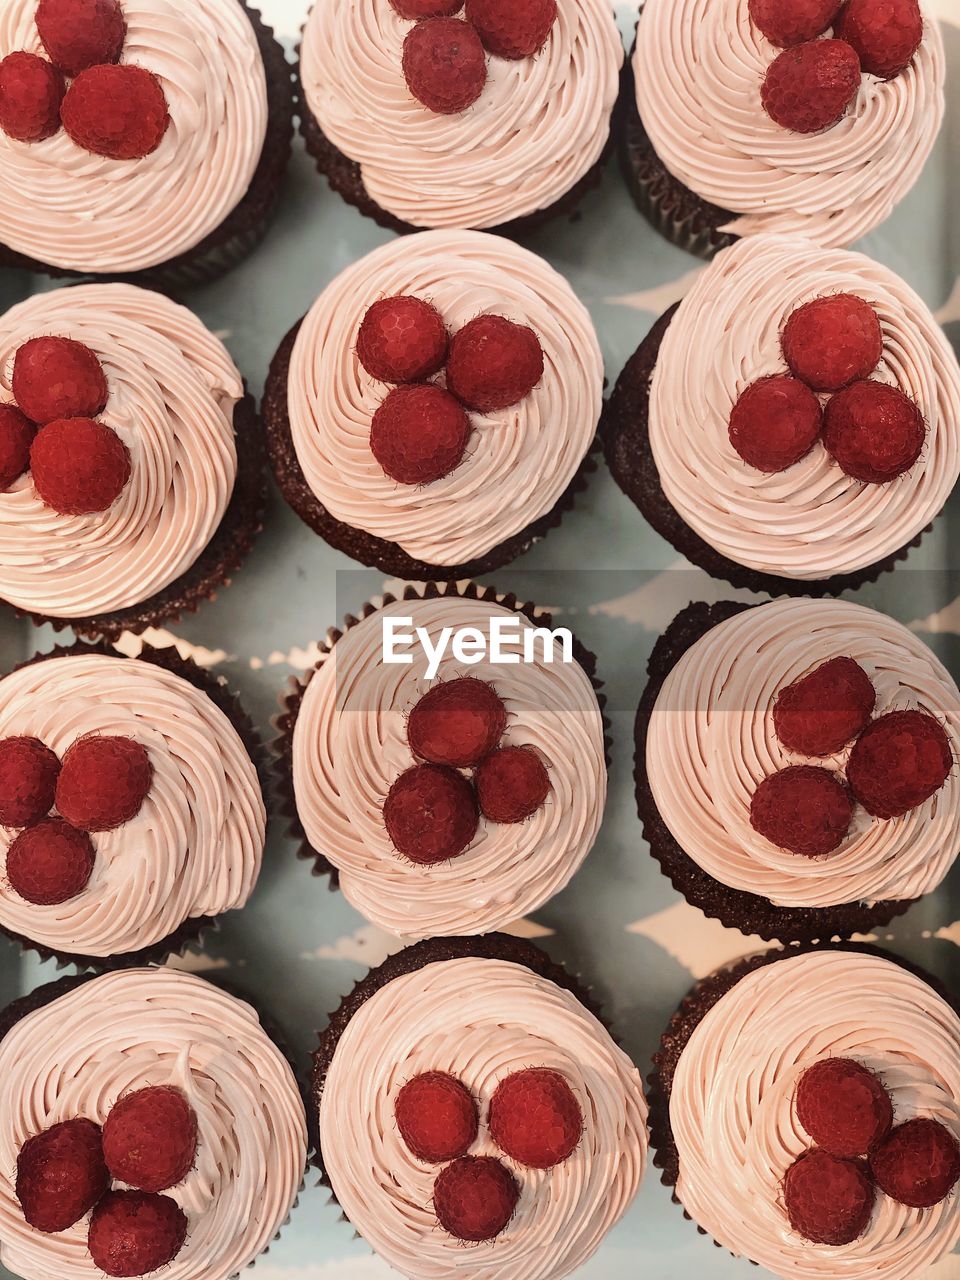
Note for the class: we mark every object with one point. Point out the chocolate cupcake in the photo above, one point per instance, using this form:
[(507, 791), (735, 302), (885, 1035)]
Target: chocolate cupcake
[(724, 427), (167, 166), (493, 1024)]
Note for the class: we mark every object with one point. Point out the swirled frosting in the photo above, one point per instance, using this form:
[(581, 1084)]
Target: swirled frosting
[(734, 1121), (78, 1055), (67, 207), (172, 393), (812, 520), (350, 745), (519, 461), (700, 66), (712, 742), (195, 847), (480, 1020), (540, 124)]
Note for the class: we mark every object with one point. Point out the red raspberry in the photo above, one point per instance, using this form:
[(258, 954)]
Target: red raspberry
[(810, 87), (133, 1233), (885, 36), (475, 1198), (437, 1117), (457, 723), (918, 1165), (494, 363), (103, 782), (419, 434), (417, 9), (79, 466), (833, 341), (31, 90), (61, 1175), (823, 711), (843, 1106), (513, 28), (444, 64), (28, 780), (80, 33), (899, 762), (789, 22), (512, 784), (150, 1138), (775, 423), (828, 1200), (535, 1118), (431, 814), (50, 863), (402, 339), (58, 378), (117, 112), (802, 809), (874, 432), (16, 437)]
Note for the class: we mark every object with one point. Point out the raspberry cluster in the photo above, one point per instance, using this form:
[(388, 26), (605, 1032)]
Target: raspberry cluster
[(899, 761), (830, 1190), (120, 112), (873, 431), (148, 1143), (534, 1119), (420, 432)]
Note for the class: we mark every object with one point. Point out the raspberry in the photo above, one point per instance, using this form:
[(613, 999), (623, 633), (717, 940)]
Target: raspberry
[(31, 90), (899, 762), (802, 809), (417, 9), (117, 112), (918, 1165), (50, 863), (823, 711), (457, 723), (535, 1118), (419, 434), (58, 378), (133, 1233), (512, 784), (810, 87), (828, 1200), (833, 341), (28, 779), (61, 1175), (79, 466), (843, 1106), (16, 436), (402, 339), (150, 1138), (475, 1198), (103, 782), (874, 432), (513, 28), (437, 1117), (789, 22), (885, 36), (431, 814), (494, 364), (80, 33), (444, 64), (775, 423)]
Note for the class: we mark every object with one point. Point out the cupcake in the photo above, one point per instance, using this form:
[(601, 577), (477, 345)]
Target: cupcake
[(796, 766), (518, 747), (178, 1117), (421, 1087), (425, 476), (805, 1109), (139, 137), (791, 426), (131, 815), (759, 117), (131, 466), (496, 118)]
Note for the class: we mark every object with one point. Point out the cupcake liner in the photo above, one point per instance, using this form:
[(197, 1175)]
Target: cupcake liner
[(191, 933), (245, 226)]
